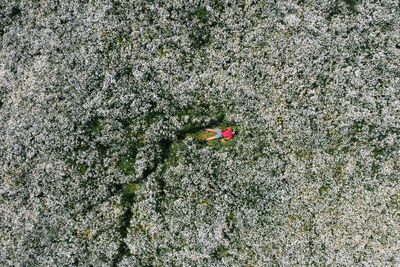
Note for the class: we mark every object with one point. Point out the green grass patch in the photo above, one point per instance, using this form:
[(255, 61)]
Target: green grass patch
[(71, 162), (80, 167), (129, 189), (128, 192), (94, 125), (126, 166), (220, 252), (83, 168), (323, 189), (172, 158)]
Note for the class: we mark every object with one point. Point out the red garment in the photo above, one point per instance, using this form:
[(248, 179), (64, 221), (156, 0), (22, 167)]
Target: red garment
[(227, 133)]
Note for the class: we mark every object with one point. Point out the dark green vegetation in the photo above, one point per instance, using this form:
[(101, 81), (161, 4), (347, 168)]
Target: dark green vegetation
[(102, 106)]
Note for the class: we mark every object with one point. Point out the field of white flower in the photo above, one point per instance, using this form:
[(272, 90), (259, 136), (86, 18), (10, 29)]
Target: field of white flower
[(102, 103)]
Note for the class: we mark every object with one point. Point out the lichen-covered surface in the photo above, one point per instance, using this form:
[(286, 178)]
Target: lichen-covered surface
[(102, 104)]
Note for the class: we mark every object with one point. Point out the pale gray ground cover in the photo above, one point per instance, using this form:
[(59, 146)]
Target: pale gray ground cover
[(97, 100)]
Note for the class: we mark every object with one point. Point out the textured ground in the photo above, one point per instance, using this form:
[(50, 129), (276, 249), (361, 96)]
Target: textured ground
[(101, 103)]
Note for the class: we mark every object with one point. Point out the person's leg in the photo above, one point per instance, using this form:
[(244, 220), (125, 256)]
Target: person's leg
[(210, 130), (218, 133)]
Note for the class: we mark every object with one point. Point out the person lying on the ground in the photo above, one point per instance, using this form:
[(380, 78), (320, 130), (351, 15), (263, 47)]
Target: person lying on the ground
[(225, 134)]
